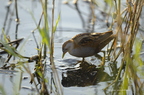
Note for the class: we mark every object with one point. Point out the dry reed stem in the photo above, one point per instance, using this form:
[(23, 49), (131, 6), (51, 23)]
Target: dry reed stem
[(127, 28)]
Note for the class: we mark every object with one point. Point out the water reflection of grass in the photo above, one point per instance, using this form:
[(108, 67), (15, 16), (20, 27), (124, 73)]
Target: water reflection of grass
[(126, 25)]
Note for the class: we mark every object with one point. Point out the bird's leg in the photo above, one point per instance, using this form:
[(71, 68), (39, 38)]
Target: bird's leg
[(103, 59), (98, 56), (82, 59)]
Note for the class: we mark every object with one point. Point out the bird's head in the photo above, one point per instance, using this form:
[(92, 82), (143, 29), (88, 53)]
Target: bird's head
[(66, 47)]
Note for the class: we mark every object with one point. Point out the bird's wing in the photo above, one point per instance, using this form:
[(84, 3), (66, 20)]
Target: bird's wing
[(91, 39), (86, 39)]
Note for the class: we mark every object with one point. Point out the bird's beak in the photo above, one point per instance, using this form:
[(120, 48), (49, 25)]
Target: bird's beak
[(63, 54)]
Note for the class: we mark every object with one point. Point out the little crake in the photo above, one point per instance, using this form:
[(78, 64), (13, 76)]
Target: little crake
[(87, 44)]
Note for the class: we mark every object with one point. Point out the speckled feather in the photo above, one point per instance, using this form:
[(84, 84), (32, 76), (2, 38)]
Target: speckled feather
[(90, 39)]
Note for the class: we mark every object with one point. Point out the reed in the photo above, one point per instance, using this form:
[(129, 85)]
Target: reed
[(48, 41), (47, 45), (126, 23)]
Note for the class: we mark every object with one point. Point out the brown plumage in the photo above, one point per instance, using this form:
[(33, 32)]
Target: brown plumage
[(87, 44)]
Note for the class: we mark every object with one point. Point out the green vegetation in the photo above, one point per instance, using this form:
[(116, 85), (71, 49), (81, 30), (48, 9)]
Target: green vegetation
[(123, 20)]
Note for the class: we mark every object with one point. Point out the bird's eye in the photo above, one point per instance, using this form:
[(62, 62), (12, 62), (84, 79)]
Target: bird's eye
[(65, 49)]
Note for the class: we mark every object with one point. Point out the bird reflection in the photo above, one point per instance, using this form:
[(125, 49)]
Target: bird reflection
[(87, 75)]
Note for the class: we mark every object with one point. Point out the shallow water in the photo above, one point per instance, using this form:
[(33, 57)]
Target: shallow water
[(75, 81)]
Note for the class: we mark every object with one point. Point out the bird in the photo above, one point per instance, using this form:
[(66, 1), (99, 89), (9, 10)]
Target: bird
[(87, 44)]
